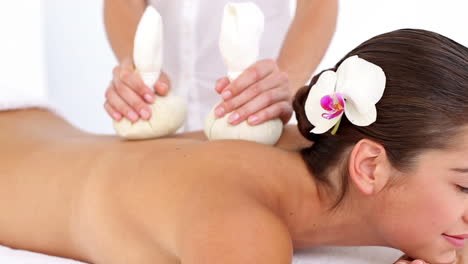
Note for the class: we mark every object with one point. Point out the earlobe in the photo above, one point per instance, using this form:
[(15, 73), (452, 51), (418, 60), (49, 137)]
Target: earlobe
[(367, 163)]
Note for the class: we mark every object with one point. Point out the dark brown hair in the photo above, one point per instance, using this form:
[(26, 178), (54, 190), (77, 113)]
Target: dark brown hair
[(424, 103)]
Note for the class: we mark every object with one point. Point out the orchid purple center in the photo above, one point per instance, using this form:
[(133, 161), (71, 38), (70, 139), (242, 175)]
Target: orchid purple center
[(334, 104)]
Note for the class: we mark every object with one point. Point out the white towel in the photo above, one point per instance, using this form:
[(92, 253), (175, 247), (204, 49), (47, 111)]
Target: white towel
[(319, 255), (347, 255), (12, 256)]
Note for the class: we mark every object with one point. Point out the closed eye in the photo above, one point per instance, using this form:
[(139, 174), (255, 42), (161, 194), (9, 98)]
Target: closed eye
[(463, 189)]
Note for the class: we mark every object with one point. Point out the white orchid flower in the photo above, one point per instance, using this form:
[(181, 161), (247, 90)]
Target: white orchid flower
[(353, 89)]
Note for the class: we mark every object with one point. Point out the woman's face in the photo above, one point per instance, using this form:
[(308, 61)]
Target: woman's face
[(424, 215)]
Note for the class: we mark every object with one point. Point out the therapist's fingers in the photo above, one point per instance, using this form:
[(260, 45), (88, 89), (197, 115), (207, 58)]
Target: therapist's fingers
[(417, 261), (132, 80), (259, 89), (112, 112), (221, 84), (163, 85), (161, 88), (119, 104), (276, 98), (127, 94), (251, 75), (132, 99), (281, 110), (407, 260), (126, 73)]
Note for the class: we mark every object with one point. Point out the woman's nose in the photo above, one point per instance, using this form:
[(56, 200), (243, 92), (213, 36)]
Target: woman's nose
[(465, 215)]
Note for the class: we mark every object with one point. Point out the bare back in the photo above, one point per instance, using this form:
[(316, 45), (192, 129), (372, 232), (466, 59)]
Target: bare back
[(103, 200)]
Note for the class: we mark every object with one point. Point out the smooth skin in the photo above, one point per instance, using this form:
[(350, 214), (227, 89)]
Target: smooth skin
[(100, 199), (263, 92)]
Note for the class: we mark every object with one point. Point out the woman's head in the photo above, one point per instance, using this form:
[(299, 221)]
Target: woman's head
[(421, 121)]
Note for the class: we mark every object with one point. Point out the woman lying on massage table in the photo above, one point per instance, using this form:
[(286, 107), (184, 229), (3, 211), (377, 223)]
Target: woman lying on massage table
[(401, 181)]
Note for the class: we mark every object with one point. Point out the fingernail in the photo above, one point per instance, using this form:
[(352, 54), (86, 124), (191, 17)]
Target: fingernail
[(145, 114), (233, 117), (418, 262), (117, 116), (219, 112), (149, 98), (226, 95), (132, 115), (253, 120)]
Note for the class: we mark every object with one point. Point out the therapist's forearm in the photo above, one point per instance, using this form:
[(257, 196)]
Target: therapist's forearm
[(307, 40), (121, 19)]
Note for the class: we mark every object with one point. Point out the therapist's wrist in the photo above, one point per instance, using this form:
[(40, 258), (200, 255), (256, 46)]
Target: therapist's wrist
[(297, 79)]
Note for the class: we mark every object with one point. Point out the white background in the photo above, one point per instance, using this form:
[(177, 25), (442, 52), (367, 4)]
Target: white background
[(21, 50), (60, 45)]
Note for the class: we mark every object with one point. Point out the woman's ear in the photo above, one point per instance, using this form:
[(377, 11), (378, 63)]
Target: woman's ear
[(369, 166)]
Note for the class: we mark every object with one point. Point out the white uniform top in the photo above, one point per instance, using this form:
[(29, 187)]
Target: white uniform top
[(191, 53)]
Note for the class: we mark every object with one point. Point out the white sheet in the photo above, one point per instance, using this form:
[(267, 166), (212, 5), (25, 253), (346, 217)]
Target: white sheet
[(347, 255), (321, 255), (12, 256)]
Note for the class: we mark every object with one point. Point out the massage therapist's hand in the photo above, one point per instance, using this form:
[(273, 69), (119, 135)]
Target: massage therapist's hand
[(407, 260), (260, 93), (461, 255), (128, 96)]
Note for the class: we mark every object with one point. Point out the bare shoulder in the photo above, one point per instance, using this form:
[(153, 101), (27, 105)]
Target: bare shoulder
[(238, 232), (230, 214)]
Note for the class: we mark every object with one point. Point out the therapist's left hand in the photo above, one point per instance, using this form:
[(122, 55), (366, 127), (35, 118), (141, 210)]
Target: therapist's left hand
[(260, 93)]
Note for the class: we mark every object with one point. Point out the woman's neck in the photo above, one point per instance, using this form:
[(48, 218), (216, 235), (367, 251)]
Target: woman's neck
[(313, 222)]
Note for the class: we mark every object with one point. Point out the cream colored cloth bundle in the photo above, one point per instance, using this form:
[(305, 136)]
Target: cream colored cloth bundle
[(239, 43), (168, 112)]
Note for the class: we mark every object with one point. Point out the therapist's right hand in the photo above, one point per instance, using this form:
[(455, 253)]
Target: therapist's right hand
[(407, 260), (128, 96)]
